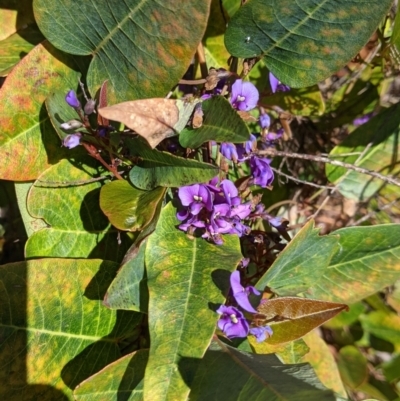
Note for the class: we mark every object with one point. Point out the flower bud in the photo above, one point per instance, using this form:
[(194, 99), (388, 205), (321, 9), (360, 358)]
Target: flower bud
[(72, 100), (72, 124), (89, 106), (72, 140)]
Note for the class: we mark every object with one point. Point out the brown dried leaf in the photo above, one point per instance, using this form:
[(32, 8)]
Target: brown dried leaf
[(153, 119), (291, 318)]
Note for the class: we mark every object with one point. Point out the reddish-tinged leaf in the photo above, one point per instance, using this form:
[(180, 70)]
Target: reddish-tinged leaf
[(153, 119), (291, 318), (28, 143)]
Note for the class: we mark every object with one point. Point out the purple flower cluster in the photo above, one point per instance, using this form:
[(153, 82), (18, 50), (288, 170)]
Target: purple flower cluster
[(214, 209), (232, 321)]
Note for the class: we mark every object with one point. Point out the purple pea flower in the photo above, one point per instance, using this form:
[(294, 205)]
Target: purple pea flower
[(250, 144), (244, 95), (73, 140), (265, 120), (276, 85), (241, 294), (229, 151), (232, 322), (261, 333), (261, 171), (196, 197), (72, 100), (363, 119), (230, 191)]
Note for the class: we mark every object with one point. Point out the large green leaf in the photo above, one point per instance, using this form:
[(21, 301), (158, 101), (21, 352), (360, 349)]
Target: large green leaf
[(303, 42), (121, 380), (15, 15), (301, 263), (67, 198), (28, 143), (129, 208), (226, 373), (382, 132), (54, 331), (164, 169), (221, 123), (182, 278), (367, 261), (141, 48), (383, 325), (16, 46)]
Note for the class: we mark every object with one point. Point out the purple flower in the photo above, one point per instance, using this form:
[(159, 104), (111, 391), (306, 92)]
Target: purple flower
[(363, 119), (276, 85), (250, 144), (73, 140), (72, 100), (232, 322), (261, 333), (218, 223), (261, 171), (229, 151), (196, 197), (265, 121), (241, 294), (230, 191), (244, 95)]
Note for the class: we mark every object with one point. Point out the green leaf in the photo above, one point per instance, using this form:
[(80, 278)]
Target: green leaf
[(129, 208), (291, 352), (28, 143), (16, 46), (303, 43), (183, 275), (352, 365), (291, 318), (301, 263), (221, 123), (391, 369), (346, 318), (164, 169), (367, 261), (383, 325), (128, 290), (229, 374), (321, 359), (67, 198), (382, 133), (121, 380), (55, 332), (395, 38), (142, 49)]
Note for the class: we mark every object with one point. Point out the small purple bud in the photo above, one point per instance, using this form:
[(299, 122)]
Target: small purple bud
[(265, 121), (73, 140), (89, 106), (261, 333), (72, 100)]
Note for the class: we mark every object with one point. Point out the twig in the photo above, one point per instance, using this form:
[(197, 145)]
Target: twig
[(386, 178), (311, 184), (373, 213), (202, 60)]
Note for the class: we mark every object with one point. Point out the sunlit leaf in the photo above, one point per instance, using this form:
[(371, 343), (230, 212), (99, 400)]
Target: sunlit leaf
[(153, 119), (303, 43), (54, 330), (67, 198), (391, 369), (368, 260), (321, 359), (352, 366), (383, 325), (185, 279), (15, 15), (28, 143), (301, 263), (128, 290), (165, 169), (16, 46), (121, 380), (226, 373), (129, 208), (221, 123), (291, 318), (381, 134), (142, 49)]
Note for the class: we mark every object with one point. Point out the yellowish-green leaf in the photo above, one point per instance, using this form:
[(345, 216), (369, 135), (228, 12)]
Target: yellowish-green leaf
[(352, 366)]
